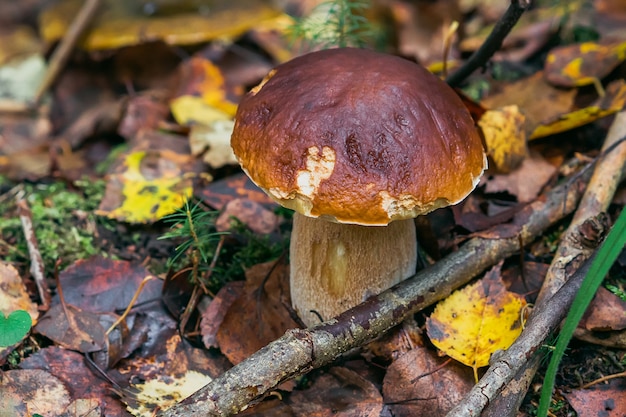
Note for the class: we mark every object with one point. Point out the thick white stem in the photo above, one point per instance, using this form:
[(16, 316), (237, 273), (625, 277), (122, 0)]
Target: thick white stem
[(336, 266)]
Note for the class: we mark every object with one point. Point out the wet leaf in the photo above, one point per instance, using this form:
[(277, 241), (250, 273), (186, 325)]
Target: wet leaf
[(473, 323), (583, 64), (252, 214), (149, 186), (218, 193), (214, 314), (505, 137)]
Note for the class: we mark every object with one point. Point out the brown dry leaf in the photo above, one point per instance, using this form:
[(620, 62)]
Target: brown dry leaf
[(526, 182), (121, 23), (505, 137), (252, 214), (421, 384), (422, 27), (14, 295), (213, 141), (101, 285), (476, 321), (18, 41), (260, 315), (72, 370), (217, 194), (601, 400), (213, 315), (395, 343), (606, 312), (613, 101), (339, 392), (24, 392), (72, 328), (583, 64), (537, 99), (143, 111)]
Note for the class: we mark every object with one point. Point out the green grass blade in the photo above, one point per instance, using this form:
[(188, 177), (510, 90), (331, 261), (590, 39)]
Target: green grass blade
[(600, 266)]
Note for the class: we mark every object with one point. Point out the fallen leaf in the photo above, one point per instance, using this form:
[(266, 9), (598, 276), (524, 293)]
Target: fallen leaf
[(613, 101), (419, 383), (101, 285), (162, 392), (218, 193), (213, 141), (476, 321), (583, 64), (339, 392), (606, 312), (252, 214), (72, 328), (260, 315), (72, 370), (505, 137), (120, 24), (525, 182), (601, 400), (24, 392), (213, 315), (148, 186)]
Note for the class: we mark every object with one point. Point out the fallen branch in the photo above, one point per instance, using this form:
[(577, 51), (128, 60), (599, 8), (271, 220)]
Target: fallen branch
[(301, 350), (575, 248)]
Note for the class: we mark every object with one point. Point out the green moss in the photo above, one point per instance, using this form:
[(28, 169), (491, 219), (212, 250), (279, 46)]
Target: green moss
[(62, 218)]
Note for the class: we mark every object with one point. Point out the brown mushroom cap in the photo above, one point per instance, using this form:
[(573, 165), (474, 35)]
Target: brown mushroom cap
[(357, 137)]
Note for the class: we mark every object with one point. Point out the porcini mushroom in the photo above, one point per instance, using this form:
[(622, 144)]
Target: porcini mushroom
[(358, 143)]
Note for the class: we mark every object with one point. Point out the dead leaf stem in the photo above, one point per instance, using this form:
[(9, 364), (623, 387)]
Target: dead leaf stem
[(301, 350)]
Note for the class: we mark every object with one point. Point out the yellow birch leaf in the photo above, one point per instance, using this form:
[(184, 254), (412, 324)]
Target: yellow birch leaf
[(150, 186), (473, 323), (505, 137)]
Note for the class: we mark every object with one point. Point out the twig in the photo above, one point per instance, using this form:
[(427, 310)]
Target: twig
[(301, 350), (492, 43), (570, 255), (62, 52), (37, 270)]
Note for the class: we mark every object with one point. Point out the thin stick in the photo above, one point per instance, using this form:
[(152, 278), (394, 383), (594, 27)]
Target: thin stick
[(63, 51), (131, 304), (301, 350), (37, 270), (492, 43)]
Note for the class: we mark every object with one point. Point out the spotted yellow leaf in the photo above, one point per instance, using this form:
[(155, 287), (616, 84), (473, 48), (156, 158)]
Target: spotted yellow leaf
[(505, 137), (473, 323), (149, 186)]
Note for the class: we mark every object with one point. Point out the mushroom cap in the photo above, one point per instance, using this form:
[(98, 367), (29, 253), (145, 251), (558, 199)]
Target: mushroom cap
[(356, 136)]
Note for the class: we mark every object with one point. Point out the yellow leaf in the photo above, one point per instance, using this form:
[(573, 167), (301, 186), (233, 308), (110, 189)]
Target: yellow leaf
[(612, 102), (473, 323), (188, 110), (505, 137), (124, 23), (151, 186)]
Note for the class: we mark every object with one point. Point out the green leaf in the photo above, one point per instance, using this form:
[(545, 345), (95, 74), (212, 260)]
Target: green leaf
[(14, 328), (606, 255)]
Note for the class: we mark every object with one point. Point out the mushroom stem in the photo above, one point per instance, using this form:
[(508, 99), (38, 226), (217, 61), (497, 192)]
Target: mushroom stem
[(337, 266)]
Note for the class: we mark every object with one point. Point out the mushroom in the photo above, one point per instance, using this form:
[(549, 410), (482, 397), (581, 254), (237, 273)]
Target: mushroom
[(358, 143)]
